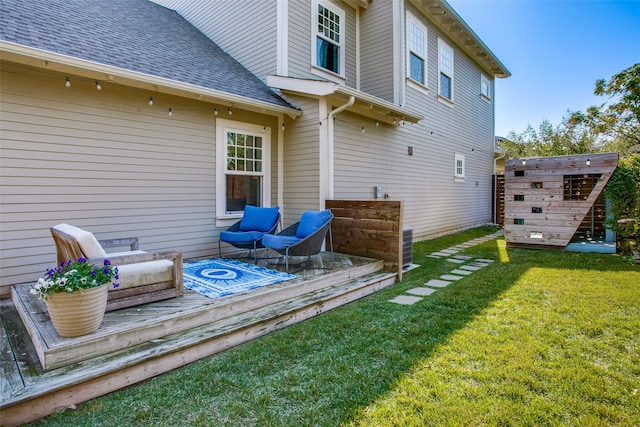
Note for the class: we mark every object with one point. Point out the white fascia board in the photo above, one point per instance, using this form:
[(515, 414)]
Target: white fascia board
[(67, 64), (323, 88), (310, 87)]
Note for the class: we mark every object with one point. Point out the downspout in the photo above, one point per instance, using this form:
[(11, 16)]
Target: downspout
[(280, 168), (330, 143)]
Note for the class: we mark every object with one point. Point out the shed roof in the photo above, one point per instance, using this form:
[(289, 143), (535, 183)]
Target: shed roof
[(132, 35)]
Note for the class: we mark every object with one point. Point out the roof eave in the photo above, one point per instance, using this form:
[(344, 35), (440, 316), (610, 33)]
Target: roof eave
[(367, 105), (451, 24), (52, 61)]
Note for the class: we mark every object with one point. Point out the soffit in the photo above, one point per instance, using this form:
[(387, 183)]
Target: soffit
[(450, 23)]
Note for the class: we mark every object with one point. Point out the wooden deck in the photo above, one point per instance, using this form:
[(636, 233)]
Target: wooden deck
[(42, 372)]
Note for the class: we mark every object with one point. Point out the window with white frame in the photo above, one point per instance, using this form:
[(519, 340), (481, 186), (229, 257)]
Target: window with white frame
[(485, 86), (243, 165), (329, 38), (416, 50), (459, 166), (445, 70)]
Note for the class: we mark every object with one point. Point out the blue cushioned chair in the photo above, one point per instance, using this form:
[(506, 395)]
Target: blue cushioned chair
[(304, 238), (249, 231)]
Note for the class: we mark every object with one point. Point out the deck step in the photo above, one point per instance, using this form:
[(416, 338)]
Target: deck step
[(73, 384), (122, 329)]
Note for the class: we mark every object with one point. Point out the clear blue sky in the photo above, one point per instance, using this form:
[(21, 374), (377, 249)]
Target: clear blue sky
[(555, 50)]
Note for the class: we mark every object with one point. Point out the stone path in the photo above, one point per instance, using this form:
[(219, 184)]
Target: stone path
[(462, 265)]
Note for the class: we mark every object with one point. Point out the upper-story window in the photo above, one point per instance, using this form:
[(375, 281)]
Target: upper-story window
[(329, 38), (445, 70), (485, 86), (417, 50)]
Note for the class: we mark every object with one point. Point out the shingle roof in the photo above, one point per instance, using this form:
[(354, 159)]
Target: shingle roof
[(135, 35)]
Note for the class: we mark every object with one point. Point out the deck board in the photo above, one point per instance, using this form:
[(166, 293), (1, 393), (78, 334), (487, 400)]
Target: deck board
[(133, 325), (158, 341)]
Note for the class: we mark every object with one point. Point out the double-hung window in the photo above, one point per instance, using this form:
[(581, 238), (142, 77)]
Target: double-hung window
[(243, 164), (417, 50), (445, 70), (329, 38)]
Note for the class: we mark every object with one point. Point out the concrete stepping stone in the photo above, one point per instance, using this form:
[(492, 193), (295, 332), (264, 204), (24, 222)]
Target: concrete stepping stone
[(450, 277), (434, 256), (478, 264), (470, 267), (449, 251), (463, 257), (457, 261), (435, 283), (405, 300), (485, 260), (421, 291), (440, 254), (462, 272)]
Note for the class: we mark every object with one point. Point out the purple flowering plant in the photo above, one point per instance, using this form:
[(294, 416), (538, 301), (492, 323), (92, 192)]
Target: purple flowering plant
[(73, 276)]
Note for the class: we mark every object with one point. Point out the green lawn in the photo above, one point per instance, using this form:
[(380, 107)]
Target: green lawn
[(535, 338)]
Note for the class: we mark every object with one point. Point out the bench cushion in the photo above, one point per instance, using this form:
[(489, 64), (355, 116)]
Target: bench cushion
[(144, 273), (89, 245)]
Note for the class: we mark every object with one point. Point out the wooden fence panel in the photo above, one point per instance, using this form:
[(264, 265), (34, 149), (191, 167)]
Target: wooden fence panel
[(369, 228)]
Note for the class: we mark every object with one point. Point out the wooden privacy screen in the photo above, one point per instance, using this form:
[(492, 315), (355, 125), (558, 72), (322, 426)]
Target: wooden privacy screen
[(369, 228), (545, 199)]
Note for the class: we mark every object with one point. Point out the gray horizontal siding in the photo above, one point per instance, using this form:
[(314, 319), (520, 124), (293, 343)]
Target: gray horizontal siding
[(105, 161), (301, 162), (376, 62), (300, 61)]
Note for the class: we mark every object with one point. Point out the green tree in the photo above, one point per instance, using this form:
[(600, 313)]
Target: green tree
[(618, 119), (613, 126), (623, 191), (569, 137)]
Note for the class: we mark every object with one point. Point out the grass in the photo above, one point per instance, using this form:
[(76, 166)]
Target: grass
[(535, 338)]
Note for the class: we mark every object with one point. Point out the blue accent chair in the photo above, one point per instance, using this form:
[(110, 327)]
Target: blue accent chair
[(304, 238), (250, 230)]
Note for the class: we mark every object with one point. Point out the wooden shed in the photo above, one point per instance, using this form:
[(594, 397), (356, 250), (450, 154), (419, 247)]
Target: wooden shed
[(552, 201)]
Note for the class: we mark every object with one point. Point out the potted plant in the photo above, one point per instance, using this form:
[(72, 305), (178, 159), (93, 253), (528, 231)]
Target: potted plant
[(76, 295)]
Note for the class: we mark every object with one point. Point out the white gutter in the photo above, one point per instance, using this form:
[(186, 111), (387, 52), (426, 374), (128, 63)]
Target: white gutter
[(306, 87), (280, 168), (67, 64), (330, 143)]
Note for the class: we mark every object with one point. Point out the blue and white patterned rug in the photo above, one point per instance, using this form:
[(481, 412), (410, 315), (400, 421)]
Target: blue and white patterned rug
[(216, 278)]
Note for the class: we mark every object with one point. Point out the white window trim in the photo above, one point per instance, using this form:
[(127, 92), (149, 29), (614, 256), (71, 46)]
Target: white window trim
[(485, 80), (457, 176), (315, 68), (224, 219), (444, 45), (423, 86)]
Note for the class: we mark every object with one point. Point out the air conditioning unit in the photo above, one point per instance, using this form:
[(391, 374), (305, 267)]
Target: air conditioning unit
[(407, 246)]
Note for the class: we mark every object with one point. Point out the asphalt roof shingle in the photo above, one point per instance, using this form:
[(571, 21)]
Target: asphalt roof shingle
[(135, 35)]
